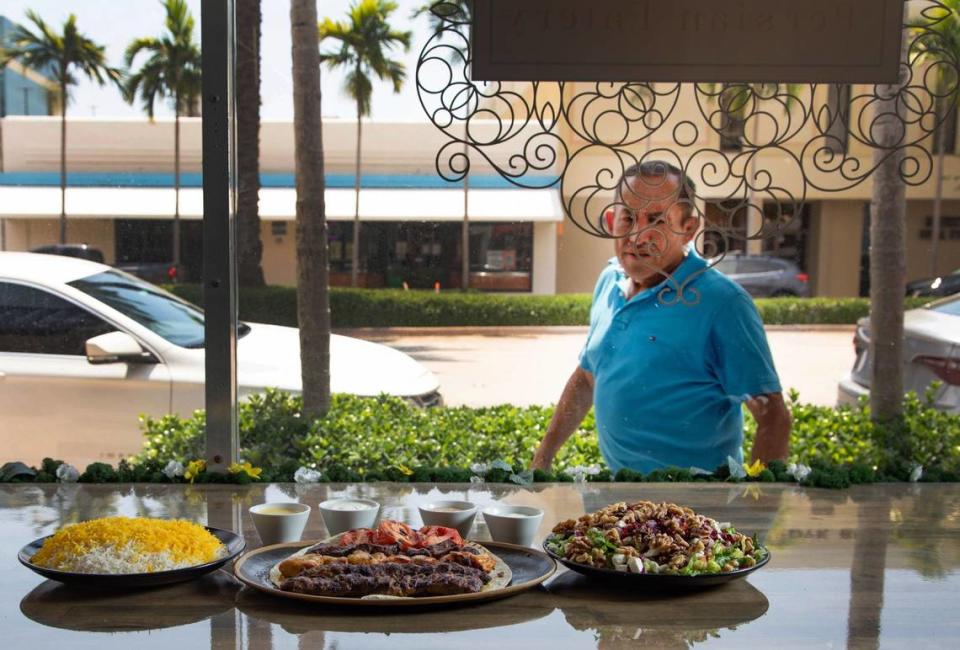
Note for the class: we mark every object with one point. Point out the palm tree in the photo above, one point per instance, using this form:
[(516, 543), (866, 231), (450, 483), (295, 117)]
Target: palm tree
[(463, 11), (249, 244), (365, 40), (171, 70), (888, 211), (313, 275), (937, 40), (60, 56)]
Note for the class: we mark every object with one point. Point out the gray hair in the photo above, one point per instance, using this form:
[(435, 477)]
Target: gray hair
[(660, 169)]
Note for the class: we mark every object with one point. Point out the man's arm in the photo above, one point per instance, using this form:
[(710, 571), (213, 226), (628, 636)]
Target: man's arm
[(773, 427), (575, 401)]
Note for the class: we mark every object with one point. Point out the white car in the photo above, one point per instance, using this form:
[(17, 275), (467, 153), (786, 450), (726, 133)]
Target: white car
[(85, 349), (931, 352)]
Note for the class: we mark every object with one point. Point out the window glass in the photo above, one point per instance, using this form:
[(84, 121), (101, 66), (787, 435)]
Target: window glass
[(951, 307), (727, 265), (175, 320), (35, 321), (748, 265), (501, 256)]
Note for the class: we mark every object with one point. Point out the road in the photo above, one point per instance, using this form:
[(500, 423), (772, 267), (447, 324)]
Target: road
[(532, 368)]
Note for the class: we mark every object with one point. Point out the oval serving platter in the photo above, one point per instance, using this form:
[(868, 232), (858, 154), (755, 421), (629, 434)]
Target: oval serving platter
[(656, 580), (233, 542), (529, 567)]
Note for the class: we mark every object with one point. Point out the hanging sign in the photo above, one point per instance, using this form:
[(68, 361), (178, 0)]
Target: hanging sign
[(814, 41)]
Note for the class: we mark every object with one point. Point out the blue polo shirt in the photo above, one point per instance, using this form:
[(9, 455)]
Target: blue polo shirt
[(670, 374)]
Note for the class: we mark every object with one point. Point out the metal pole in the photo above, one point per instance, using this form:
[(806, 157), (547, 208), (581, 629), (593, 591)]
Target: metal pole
[(219, 243)]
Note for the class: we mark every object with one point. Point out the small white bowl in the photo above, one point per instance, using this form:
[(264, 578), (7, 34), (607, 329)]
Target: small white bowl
[(278, 523), (513, 524), (341, 515), (452, 514)]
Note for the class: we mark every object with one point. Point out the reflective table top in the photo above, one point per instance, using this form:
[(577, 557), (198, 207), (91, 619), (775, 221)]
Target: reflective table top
[(873, 566)]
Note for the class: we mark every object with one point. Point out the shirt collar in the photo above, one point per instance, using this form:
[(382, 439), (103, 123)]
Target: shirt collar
[(691, 264)]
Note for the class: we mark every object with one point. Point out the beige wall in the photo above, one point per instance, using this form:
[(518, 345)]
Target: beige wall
[(25, 234), (279, 259), (919, 251), (544, 258), (580, 257), (834, 243)]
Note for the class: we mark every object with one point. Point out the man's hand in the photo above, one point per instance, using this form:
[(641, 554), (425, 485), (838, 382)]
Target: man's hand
[(773, 427), (575, 401)]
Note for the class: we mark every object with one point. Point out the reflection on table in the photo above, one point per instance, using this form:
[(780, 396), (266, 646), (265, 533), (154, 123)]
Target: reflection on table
[(867, 567)]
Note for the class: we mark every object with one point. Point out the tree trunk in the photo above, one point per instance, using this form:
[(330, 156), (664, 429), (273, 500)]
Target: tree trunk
[(937, 205), (867, 573), (313, 300), (176, 188), (249, 242), (887, 255), (63, 163), (465, 234), (355, 254)]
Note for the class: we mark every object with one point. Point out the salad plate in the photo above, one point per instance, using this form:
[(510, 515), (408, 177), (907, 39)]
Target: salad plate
[(661, 545)]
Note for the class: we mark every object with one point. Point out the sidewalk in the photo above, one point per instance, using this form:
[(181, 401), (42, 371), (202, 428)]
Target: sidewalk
[(377, 333), (484, 366)]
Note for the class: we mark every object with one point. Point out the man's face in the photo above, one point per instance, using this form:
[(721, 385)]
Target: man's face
[(650, 229)]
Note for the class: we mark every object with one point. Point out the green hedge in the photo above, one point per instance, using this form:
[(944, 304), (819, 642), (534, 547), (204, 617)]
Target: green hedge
[(394, 308), (385, 438), (385, 434)]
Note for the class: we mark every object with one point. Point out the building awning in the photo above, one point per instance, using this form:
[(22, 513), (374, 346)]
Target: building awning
[(279, 204)]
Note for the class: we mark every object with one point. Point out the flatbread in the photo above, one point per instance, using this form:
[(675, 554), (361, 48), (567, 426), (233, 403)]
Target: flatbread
[(500, 576)]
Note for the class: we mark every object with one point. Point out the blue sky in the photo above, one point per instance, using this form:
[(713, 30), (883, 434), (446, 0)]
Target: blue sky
[(117, 25)]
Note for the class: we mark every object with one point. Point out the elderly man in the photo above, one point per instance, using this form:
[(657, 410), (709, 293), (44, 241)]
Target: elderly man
[(674, 347)]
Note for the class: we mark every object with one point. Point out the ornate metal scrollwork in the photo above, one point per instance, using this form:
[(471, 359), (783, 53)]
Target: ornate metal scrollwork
[(543, 134)]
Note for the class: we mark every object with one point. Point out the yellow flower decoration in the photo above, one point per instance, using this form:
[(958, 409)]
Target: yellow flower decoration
[(753, 471), (194, 467), (245, 468)]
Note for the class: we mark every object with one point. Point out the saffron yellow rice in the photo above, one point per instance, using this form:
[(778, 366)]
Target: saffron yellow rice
[(116, 545)]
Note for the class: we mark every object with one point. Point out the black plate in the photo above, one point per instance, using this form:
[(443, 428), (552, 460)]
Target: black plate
[(232, 541), (656, 580), (530, 567)]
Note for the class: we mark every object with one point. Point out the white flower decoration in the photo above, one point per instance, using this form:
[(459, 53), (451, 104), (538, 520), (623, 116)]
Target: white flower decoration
[(798, 471), (173, 469), (306, 475), (581, 472), (916, 473), (480, 469), (67, 473)]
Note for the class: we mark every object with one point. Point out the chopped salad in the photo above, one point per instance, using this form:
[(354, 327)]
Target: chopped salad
[(661, 538)]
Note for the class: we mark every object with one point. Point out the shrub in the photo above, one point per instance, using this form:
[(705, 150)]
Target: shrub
[(393, 440), (351, 308)]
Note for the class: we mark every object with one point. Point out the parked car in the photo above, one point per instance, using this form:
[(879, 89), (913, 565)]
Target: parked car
[(85, 349), (945, 285), (155, 272), (81, 251), (931, 352), (764, 275)]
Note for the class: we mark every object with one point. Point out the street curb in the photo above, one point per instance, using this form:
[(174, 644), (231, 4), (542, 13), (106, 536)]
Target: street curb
[(533, 330)]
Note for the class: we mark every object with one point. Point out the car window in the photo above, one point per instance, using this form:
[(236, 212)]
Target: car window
[(727, 265), (175, 320), (162, 313), (36, 321), (951, 307), (748, 265)]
